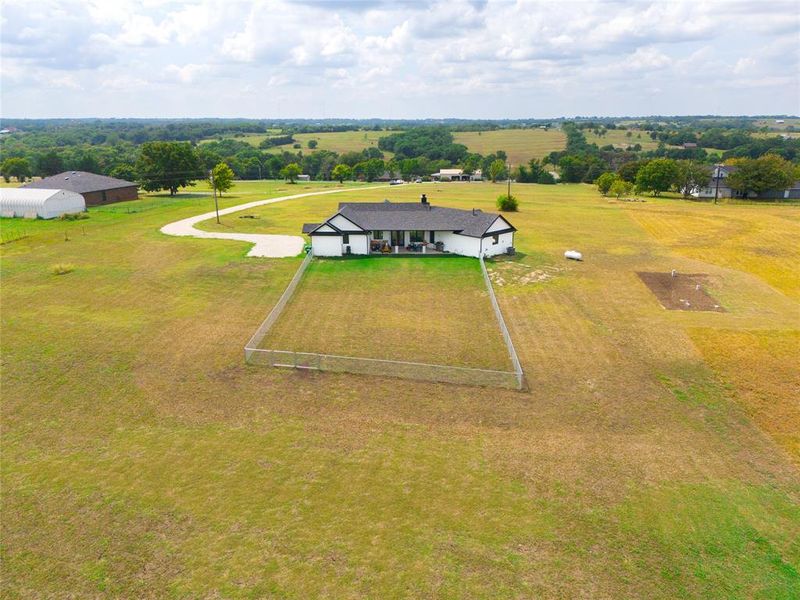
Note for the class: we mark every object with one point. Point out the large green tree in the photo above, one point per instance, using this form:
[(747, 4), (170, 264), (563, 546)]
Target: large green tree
[(341, 172), (605, 181), (290, 172), (168, 166), (497, 170), (768, 172), (50, 164), (657, 176), (222, 176), (691, 175), (15, 167)]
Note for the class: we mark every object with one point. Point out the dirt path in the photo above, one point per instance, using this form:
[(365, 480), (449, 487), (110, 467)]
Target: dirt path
[(265, 245)]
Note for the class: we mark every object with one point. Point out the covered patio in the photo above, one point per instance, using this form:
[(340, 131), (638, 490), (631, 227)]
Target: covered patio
[(405, 242)]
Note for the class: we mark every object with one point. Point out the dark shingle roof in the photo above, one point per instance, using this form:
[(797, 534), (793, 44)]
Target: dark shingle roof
[(415, 215), (79, 181), (309, 227)]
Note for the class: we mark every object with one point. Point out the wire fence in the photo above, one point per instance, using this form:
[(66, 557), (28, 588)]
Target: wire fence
[(378, 367), (276, 311), (502, 323)]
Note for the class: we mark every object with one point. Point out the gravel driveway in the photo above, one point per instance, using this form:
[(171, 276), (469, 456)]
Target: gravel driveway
[(267, 245)]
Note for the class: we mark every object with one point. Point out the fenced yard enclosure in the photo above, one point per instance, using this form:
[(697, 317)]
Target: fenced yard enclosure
[(414, 318)]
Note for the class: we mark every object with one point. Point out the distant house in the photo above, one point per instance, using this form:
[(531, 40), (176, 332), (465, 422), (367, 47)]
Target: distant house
[(689, 145), (477, 175), (450, 175), (718, 187), (95, 189), (779, 121), (384, 177), (304, 178), (409, 227)]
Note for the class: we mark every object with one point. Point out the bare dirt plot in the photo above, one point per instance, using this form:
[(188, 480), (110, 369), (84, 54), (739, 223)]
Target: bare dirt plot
[(681, 292), (429, 310)]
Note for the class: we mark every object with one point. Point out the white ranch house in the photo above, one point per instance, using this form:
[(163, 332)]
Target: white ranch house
[(410, 227), (456, 175)]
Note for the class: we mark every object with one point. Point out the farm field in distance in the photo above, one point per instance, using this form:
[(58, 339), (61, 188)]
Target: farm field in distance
[(521, 145), (336, 141), (619, 138), (420, 309), (654, 455)]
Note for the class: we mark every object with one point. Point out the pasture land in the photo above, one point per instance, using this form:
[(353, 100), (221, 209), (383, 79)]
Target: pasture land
[(619, 138), (789, 121), (654, 454), (336, 141), (420, 309), (521, 145)]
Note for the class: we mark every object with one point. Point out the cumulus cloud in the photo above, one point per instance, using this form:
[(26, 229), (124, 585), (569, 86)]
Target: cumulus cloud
[(363, 58)]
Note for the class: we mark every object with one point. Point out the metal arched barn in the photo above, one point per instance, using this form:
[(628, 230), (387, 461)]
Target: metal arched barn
[(42, 204)]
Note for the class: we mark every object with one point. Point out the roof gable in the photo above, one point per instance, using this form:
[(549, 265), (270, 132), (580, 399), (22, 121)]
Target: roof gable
[(342, 223), (500, 224)]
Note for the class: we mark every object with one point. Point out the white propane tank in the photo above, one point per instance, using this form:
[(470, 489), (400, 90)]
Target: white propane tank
[(573, 255)]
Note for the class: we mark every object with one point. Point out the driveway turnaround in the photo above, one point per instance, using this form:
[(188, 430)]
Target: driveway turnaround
[(266, 245)]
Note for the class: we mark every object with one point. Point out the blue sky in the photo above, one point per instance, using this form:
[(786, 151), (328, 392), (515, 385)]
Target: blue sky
[(368, 58)]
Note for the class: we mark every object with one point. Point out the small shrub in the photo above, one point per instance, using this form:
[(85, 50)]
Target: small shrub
[(507, 203), (74, 216), (62, 269)]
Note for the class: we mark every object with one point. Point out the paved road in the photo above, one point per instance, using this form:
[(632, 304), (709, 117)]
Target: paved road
[(267, 245)]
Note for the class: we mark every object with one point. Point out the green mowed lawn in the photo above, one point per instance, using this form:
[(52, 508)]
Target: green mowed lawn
[(420, 309), (143, 458)]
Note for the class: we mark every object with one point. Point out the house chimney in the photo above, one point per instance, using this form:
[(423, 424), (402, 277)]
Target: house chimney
[(423, 198), (473, 212)]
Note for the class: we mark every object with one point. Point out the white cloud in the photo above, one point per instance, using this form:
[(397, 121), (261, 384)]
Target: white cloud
[(545, 57)]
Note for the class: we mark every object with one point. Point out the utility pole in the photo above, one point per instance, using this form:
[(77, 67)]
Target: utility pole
[(717, 174), (214, 185), (508, 168)]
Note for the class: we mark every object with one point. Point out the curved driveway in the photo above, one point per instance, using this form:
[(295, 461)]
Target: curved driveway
[(268, 245)]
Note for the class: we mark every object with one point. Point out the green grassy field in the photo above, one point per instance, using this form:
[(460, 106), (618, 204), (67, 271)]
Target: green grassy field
[(336, 141), (521, 145), (619, 138), (421, 309), (654, 454)]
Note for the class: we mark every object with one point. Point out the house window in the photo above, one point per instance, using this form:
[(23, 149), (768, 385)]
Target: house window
[(433, 237), (417, 236), (495, 239), (377, 235), (345, 238)]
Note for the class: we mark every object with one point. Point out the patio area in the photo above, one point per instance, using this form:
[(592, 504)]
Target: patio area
[(420, 248)]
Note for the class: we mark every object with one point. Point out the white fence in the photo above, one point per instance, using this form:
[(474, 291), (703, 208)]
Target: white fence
[(376, 366)]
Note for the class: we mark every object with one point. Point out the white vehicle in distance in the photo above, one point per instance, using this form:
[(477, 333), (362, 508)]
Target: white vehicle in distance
[(396, 182)]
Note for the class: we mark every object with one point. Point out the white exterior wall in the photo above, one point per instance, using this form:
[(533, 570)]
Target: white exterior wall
[(359, 244), (326, 245), (459, 244), (504, 241), (45, 204)]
